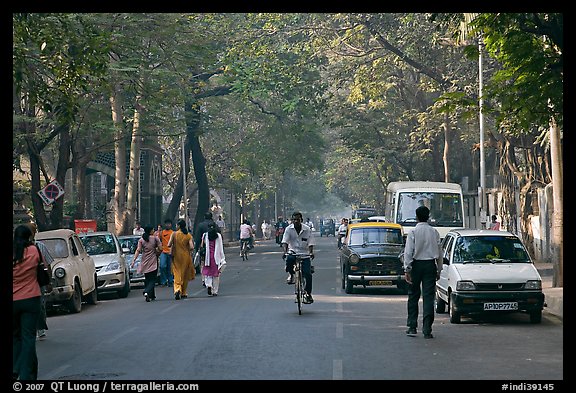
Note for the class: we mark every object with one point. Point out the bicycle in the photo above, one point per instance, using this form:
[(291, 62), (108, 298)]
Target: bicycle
[(245, 248), (299, 279)]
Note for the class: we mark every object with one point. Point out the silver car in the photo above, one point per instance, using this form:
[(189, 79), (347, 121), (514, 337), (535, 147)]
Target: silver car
[(113, 273), (73, 270), (129, 243)]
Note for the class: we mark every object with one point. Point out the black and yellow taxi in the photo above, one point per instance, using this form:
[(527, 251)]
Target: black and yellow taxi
[(370, 256)]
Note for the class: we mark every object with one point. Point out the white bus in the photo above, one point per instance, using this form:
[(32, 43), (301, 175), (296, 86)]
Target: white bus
[(444, 200)]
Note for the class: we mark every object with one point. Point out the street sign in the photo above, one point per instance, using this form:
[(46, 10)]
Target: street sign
[(51, 192)]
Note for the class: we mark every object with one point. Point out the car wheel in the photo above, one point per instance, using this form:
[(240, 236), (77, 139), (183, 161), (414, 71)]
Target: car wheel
[(92, 297), (440, 305), (126, 289), (348, 286), (74, 304), (454, 315), (536, 317)]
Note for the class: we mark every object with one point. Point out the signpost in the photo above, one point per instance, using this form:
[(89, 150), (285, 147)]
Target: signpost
[(51, 192)]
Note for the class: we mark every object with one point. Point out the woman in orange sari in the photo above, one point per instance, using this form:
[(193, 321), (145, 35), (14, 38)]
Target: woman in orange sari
[(183, 270)]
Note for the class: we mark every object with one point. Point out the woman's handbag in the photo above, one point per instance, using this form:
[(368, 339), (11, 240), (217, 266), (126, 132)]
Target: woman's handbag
[(197, 259), (42, 272)]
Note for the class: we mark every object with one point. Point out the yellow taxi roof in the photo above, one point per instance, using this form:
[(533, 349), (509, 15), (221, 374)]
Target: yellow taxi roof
[(374, 224)]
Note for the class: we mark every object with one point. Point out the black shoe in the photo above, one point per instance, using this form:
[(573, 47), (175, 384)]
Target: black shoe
[(184, 296), (411, 332), (147, 297), (209, 291), (177, 295), (308, 299), (429, 335)]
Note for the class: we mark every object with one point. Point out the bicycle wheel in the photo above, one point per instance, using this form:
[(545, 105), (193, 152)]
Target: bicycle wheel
[(298, 289)]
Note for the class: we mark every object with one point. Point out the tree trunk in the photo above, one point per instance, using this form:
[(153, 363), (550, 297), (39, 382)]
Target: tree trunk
[(64, 149), (558, 197), (119, 200), (198, 161), (132, 204), (446, 156)]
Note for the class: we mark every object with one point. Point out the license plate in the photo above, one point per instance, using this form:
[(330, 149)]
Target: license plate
[(501, 306), (380, 282)]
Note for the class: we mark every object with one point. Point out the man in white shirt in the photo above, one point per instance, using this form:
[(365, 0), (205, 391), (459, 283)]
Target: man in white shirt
[(342, 231), (299, 239), (138, 230), (422, 266)]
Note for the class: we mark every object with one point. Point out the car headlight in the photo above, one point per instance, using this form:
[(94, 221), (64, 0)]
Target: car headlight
[(533, 284), (59, 272), (465, 286), (354, 259), (112, 266)]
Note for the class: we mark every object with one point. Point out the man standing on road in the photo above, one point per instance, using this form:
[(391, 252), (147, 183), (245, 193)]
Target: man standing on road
[(422, 264)]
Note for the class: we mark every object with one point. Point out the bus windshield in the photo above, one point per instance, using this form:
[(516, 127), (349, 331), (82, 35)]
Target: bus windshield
[(445, 208)]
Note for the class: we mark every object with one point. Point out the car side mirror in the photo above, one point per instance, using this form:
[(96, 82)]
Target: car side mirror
[(445, 261)]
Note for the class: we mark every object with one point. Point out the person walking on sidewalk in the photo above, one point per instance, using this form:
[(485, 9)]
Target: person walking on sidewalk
[(422, 266), (26, 304), (150, 247)]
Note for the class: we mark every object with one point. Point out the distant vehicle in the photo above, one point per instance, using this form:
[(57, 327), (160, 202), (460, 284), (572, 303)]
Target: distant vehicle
[(370, 256), (487, 271), (444, 200), (113, 273), (73, 270), (327, 227), (364, 211)]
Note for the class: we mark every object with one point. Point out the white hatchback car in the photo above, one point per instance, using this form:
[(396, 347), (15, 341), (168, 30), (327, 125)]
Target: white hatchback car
[(113, 272), (73, 270), (487, 271)]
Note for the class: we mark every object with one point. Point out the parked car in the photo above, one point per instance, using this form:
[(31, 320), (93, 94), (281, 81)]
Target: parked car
[(487, 271), (370, 256), (113, 273), (74, 277), (327, 227), (129, 243)]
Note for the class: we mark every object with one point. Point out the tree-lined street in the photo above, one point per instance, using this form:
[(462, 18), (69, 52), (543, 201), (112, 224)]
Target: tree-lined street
[(252, 331)]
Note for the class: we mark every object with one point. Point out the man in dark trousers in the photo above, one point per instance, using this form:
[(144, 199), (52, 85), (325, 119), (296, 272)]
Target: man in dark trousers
[(422, 264)]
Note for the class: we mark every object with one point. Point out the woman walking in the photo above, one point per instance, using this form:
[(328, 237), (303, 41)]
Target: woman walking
[(26, 304), (150, 247), (215, 259), (182, 245)]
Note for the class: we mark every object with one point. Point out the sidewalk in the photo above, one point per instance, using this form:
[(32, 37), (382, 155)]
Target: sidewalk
[(554, 297)]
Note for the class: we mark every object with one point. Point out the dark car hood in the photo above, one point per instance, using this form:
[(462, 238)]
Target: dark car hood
[(377, 250)]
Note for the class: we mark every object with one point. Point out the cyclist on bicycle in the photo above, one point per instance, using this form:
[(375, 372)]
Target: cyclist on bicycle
[(299, 239), (246, 233)]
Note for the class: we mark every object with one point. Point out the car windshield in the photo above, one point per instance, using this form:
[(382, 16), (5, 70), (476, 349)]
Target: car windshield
[(56, 247), (367, 236), (99, 244), (489, 249), (130, 243), (445, 208)]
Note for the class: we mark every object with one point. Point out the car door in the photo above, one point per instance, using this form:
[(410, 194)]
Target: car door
[(442, 283), (86, 265)]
